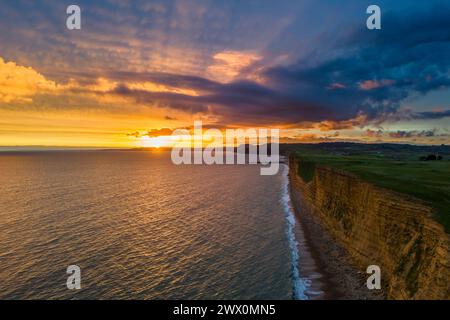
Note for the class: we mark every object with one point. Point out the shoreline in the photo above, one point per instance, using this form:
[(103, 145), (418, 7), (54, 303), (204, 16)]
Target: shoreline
[(339, 279)]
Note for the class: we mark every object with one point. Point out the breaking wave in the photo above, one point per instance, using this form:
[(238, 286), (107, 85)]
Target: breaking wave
[(300, 285)]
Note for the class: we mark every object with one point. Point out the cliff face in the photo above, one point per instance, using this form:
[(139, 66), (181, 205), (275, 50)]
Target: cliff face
[(380, 227)]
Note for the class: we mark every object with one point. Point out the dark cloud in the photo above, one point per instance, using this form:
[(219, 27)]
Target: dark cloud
[(400, 134), (151, 133), (168, 79), (412, 133), (135, 134), (376, 70), (162, 99), (370, 75), (407, 114), (432, 114)]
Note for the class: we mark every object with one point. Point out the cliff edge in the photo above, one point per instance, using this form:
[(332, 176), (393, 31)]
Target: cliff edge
[(380, 227)]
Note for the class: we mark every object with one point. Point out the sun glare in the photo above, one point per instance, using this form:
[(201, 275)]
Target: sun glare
[(155, 142)]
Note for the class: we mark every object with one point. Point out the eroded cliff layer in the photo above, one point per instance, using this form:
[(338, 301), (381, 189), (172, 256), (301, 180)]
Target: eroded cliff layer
[(379, 227)]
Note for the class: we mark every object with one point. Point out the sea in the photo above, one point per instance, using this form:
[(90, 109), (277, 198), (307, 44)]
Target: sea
[(140, 227)]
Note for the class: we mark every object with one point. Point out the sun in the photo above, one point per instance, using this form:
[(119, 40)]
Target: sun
[(155, 142)]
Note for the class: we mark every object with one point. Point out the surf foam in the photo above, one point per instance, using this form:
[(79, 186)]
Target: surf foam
[(300, 285)]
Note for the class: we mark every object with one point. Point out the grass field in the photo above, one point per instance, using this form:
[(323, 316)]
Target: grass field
[(398, 169)]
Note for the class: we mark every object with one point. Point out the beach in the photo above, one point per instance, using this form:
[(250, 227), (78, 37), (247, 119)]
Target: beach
[(340, 279)]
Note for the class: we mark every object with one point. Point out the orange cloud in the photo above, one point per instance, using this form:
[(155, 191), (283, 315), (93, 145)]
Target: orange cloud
[(228, 64), (374, 84), (336, 85), (19, 83), (152, 133), (342, 125), (374, 133), (309, 137), (26, 86)]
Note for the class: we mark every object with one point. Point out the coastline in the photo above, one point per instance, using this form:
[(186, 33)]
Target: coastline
[(339, 279)]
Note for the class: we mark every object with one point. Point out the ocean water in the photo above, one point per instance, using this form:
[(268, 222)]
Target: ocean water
[(140, 227)]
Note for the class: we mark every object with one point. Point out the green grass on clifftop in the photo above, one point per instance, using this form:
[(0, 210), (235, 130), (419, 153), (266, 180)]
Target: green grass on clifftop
[(397, 168)]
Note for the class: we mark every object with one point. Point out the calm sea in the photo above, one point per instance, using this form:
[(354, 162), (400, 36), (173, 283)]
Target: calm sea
[(140, 227)]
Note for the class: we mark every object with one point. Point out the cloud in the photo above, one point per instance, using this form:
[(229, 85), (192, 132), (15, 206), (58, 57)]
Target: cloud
[(229, 64), (374, 133), (412, 133), (152, 133), (20, 84), (170, 100), (135, 134), (313, 138), (432, 114), (405, 134), (159, 132), (328, 125), (374, 71), (182, 57), (406, 114), (335, 86), (375, 84), (364, 82)]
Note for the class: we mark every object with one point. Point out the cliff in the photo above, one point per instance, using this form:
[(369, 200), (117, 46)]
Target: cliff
[(378, 227)]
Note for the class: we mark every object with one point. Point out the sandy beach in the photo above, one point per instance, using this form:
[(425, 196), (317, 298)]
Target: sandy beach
[(339, 278)]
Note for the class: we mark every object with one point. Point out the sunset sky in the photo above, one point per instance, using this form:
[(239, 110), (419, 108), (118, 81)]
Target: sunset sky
[(139, 69)]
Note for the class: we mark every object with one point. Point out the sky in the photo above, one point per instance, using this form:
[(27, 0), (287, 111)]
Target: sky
[(137, 70)]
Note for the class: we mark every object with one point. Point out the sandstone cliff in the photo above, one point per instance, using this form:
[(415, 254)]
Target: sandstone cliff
[(379, 227)]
